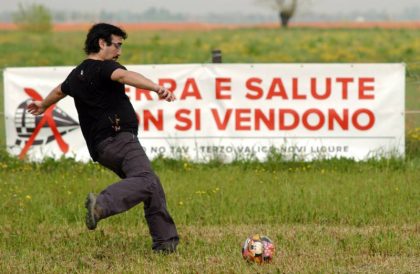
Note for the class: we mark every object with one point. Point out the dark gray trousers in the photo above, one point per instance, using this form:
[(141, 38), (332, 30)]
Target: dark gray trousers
[(124, 155)]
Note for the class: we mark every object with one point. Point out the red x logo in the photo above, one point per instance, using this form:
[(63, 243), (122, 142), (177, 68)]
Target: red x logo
[(47, 118)]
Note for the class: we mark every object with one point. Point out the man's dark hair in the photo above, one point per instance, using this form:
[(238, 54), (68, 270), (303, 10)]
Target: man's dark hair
[(101, 31)]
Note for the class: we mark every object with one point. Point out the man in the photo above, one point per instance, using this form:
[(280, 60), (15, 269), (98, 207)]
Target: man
[(109, 125)]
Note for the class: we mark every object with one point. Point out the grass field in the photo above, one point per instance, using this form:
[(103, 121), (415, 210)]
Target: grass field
[(325, 217), (335, 216)]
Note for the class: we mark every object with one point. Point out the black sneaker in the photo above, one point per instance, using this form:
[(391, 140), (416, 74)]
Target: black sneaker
[(166, 247), (92, 214)]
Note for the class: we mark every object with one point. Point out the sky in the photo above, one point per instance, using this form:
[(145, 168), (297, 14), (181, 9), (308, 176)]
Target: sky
[(223, 6)]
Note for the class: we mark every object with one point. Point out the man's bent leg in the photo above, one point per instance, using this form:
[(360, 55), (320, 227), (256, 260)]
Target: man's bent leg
[(140, 184)]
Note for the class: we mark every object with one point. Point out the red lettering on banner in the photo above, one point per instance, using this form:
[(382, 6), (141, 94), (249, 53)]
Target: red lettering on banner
[(282, 120), (182, 116), (277, 89), (268, 121), (220, 87), (167, 83), (315, 93), (242, 118), (363, 87), (148, 119), (317, 112), (345, 87), (251, 87), (343, 121), (221, 125), (343, 84), (146, 93), (187, 123), (355, 119), (288, 119), (197, 119), (190, 90), (295, 89)]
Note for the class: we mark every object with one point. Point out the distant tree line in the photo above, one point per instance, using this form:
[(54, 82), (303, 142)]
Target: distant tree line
[(26, 16), (34, 18)]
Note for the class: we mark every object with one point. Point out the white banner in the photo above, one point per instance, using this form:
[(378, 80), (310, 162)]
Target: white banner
[(229, 111)]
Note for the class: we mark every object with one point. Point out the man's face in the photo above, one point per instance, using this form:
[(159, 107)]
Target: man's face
[(114, 50)]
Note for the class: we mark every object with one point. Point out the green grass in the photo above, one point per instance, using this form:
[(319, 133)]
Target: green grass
[(238, 46), (324, 216), (335, 216)]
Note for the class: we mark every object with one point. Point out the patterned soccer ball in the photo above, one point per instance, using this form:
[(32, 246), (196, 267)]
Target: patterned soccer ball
[(258, 248)]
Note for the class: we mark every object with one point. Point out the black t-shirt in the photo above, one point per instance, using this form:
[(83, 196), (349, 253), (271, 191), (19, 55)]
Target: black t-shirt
[(102, 105)]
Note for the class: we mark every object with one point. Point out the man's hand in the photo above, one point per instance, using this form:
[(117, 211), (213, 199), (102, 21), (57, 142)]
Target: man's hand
[(39, 107), (165, 94), (36, 108)]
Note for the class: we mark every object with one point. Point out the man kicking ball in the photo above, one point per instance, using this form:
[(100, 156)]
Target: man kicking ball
[(109, 125)]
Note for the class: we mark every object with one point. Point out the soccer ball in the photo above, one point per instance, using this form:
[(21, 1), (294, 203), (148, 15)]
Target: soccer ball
[(258, 248)]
